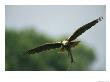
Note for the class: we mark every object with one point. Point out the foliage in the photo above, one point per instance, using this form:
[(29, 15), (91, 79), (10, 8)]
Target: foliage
[(17, 42)]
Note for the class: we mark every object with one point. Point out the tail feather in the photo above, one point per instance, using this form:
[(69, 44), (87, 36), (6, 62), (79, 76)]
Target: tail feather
[(75, 43)]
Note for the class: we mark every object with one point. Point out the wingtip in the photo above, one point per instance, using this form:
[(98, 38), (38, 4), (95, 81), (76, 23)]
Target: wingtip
[(28, 52), (100, 18)]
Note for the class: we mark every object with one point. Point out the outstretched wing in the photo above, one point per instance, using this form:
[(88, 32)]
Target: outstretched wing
[(82, 29), (44, 47)]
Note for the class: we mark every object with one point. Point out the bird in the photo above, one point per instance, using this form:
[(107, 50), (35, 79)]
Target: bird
[(68, 43)]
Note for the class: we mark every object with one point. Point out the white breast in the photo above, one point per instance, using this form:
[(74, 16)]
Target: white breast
[(65, 42)]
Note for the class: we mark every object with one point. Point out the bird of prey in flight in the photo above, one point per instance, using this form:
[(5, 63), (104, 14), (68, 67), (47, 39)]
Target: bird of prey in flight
[(66, 44)]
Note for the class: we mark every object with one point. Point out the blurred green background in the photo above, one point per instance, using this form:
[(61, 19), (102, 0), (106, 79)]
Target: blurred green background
[(18, 41), (28, 26)]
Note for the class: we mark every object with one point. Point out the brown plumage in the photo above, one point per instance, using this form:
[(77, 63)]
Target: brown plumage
[(82, 29), (44, 47), (67, 44)]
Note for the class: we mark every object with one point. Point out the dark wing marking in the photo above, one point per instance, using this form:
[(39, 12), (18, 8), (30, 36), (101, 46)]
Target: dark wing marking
[(82, 29), (44, 47)]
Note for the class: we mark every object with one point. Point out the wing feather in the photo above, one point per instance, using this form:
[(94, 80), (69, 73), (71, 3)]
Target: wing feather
[(44, 47), (82, 29)]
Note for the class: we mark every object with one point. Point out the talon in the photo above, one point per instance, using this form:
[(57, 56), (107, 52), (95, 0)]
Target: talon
[(62, 50)]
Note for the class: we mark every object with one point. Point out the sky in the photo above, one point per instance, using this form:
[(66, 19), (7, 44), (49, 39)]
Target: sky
[(57, 21)]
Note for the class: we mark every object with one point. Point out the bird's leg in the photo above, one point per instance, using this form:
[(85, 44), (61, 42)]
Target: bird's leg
[(62, 49), (70, 54)]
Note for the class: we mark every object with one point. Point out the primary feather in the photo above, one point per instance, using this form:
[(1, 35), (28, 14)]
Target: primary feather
[(82, 29), (44, 47)]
